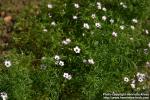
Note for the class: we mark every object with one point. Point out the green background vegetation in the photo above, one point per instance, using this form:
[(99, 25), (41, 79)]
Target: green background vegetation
[(25, 44)]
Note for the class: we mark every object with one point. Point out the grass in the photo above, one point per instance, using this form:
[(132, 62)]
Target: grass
[(33, 74)]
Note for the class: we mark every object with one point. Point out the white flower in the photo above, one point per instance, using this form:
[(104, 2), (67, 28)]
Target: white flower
[(111, 21), (86, 25), (75, 17), (122, 27), (66, 42), (145, 51), (7, 63), (149, 44), (148, 64), (93, 16), (131, 38), (50, 6), (91, 61), (104, 18), (57, 57), (140, 75), (114, 34), (44, 30), (98, 25), (84, 61), (98, 4), (134, 20), (132, 27), (132, 85), (53, 23), (140, 79), (121, 3), (56, 62), (43, 58), (126, 79), (133, 82), (99, 7), (61, 63), (83, 34), (77, 49), (146, 31), (67, 76), (4, 95), (124, 6), (76, 5), (104, 9)]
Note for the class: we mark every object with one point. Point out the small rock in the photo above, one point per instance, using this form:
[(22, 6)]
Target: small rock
[(8, 19)]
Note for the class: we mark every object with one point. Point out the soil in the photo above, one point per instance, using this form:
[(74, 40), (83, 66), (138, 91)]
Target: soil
[(9, 9), (15, 6)]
